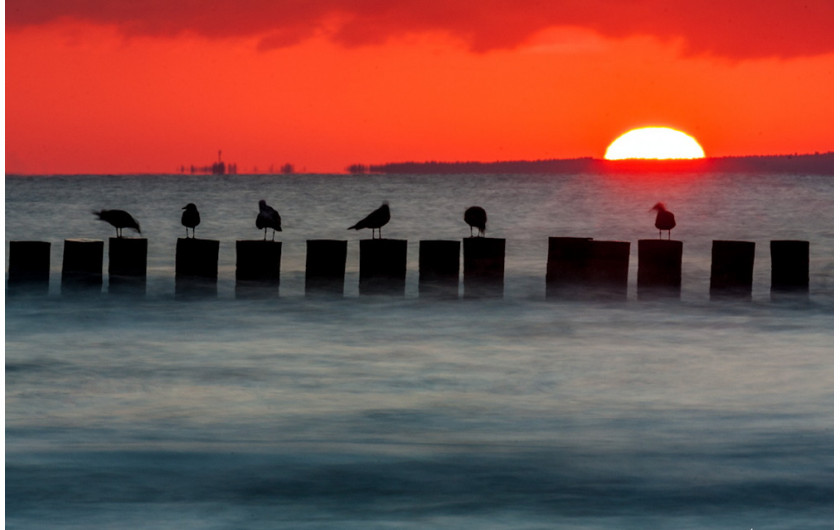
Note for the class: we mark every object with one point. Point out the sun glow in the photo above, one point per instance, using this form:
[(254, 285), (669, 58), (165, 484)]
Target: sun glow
[(662, 143)]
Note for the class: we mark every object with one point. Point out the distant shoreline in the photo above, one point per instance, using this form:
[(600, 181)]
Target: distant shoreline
[(813, 164)]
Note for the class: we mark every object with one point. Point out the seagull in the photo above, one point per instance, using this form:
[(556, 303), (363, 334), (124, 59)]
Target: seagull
[(476, 217), (664, 219), (190, 218), (119, 219), (268, 218), (377, 219)]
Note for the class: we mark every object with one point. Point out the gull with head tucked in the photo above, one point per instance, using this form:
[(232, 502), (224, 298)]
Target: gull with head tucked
[(268, 218), (476, 217), (190, 218)]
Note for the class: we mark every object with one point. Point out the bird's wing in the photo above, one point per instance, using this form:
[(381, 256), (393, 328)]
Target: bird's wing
[(364, 223)]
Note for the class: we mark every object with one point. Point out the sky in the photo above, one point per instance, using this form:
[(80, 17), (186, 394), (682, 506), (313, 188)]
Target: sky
[(148, 86)]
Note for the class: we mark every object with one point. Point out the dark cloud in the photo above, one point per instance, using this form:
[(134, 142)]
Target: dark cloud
[(729, 28)]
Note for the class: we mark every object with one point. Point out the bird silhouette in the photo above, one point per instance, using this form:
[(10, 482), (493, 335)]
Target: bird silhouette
[(476, 217), (268, 218), (119, 219), (664, 219), (190, 218), (376, 219)]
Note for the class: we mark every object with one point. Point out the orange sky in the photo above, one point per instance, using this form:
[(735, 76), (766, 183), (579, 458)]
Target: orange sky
[(118, 87)]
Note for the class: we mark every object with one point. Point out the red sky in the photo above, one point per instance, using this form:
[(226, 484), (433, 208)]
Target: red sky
[(145, 86)]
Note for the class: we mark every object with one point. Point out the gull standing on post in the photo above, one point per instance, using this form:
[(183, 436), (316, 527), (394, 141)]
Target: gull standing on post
[(190, 218), (377, 219), (664, 219), (476, 217), (268, 218), (119, 219)]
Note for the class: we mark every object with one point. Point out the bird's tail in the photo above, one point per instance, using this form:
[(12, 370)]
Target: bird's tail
[(98, 214)]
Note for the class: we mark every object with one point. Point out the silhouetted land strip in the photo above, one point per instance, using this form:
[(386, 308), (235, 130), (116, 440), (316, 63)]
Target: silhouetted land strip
[(813, 164)]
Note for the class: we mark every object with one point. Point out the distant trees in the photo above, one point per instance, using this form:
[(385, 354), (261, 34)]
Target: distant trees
[(815, 164), (357, 169), (574, 165)]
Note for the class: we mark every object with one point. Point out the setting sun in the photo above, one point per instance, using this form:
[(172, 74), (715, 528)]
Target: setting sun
[(654, 143)]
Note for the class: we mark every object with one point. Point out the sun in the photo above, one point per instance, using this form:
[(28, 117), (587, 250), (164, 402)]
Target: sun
[(662, 143)]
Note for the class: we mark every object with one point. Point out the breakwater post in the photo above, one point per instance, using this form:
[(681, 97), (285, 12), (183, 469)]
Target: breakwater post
[(789, 261), (440, 265), (29, 267), (732, 269), (127, 265), (258, 268), (484, 267), (607, 269), (196, 266), (325, 264), (566, 268), (660, 268), (81, 267), (382, 264)]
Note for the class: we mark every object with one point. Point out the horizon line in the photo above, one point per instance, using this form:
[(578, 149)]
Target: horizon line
[(345, 169)]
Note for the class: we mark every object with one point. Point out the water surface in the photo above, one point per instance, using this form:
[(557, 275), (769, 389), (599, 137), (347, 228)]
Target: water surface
[(400, 412)]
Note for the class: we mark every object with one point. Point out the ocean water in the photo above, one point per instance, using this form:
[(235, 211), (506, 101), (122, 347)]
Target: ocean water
[(401, 412)]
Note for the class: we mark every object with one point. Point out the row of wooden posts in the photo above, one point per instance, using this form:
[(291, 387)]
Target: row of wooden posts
[(576, 268)]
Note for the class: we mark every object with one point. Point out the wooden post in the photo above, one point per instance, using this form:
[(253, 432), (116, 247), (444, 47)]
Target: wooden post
[(81, 268), (258, 268), (440, 265), (732, 269), (196, 266), (790, 262), (484, 267), (566, 268), (326, 260), (382, 266), (29, 267), (660, 268), (607, 268), (127, 265)]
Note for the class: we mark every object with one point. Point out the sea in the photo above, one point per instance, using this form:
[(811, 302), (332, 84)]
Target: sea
[(403, 412)]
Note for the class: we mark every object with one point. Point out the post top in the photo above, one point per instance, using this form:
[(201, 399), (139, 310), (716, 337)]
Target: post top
[(82, 240)]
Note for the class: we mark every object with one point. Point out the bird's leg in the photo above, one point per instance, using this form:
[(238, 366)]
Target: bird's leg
[(265, 234)]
